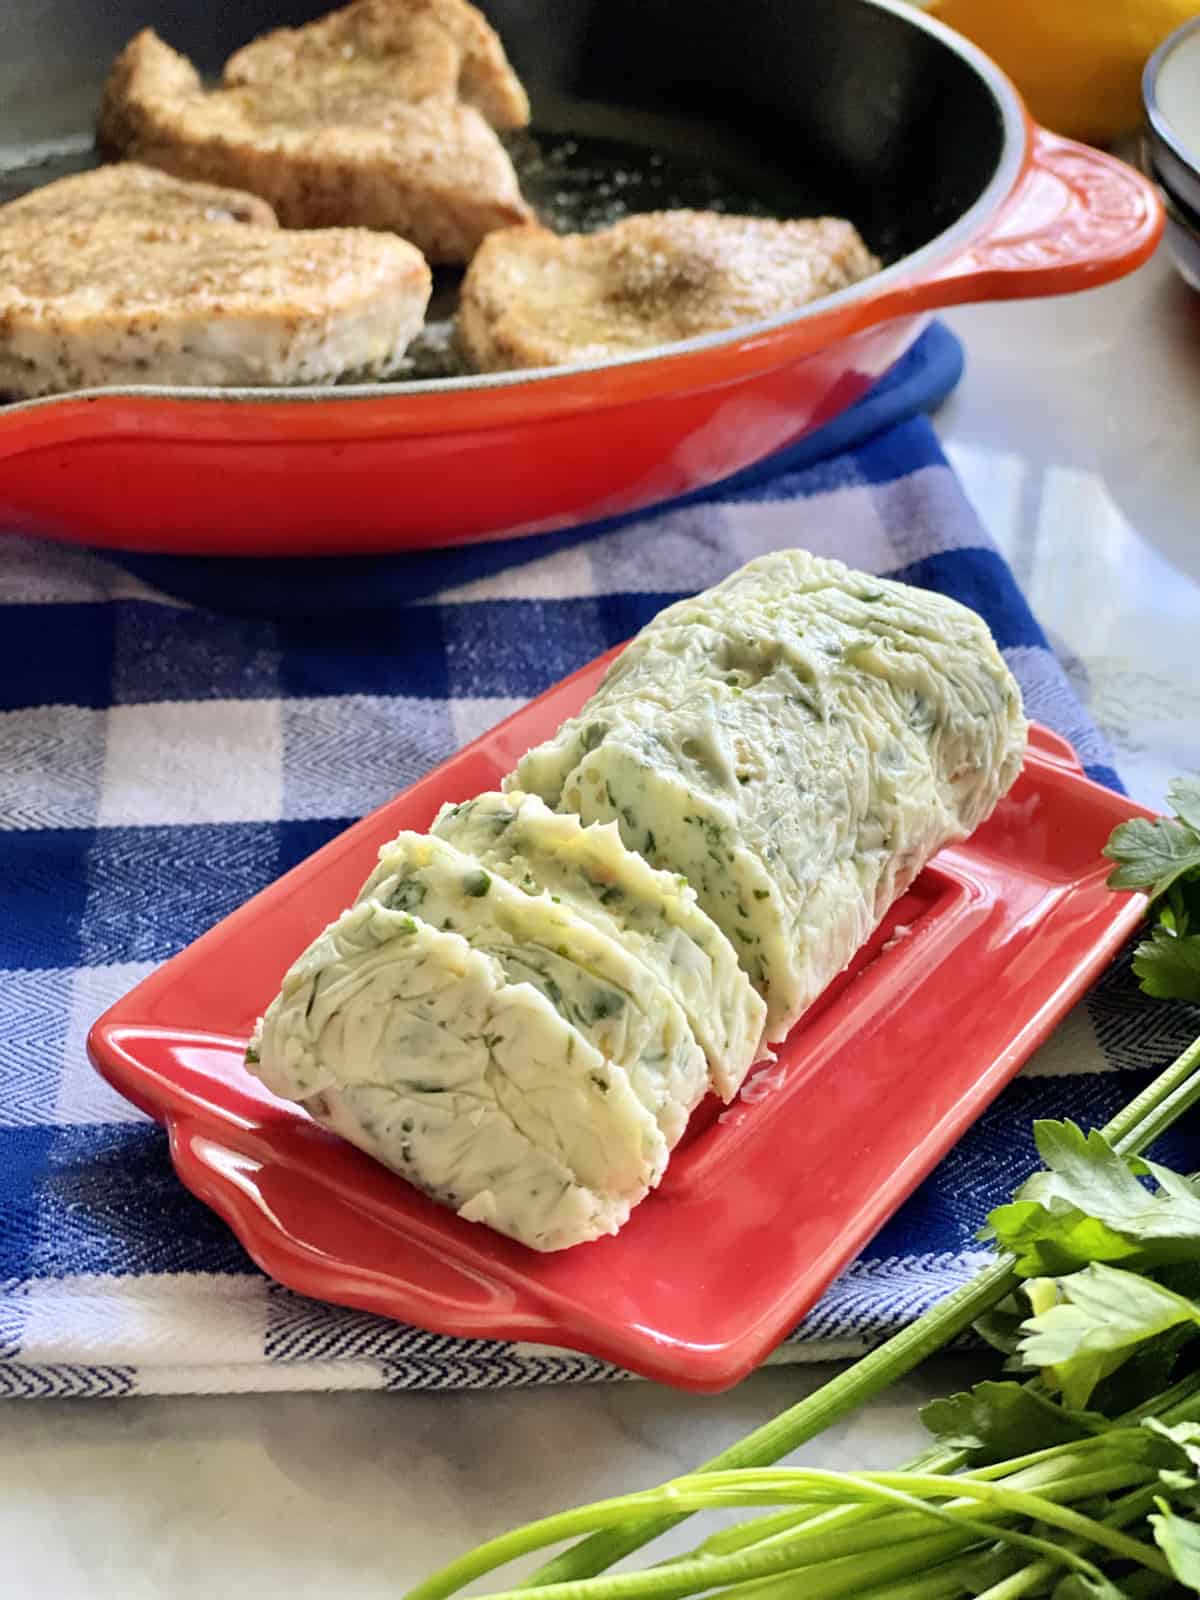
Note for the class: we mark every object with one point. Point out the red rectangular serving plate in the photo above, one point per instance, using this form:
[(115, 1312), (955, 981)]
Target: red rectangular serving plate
[(763, 1203)]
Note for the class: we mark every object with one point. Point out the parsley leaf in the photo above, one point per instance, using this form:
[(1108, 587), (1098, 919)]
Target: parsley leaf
[(995, 1421), (1152, 1367), (406, 896), (1179, 1540), (1001, 1325), (1162, 856), (1152, 855), (1183, 796), (1089, 1206), (1185, 1436), (1168, 965), (1089, 1323)]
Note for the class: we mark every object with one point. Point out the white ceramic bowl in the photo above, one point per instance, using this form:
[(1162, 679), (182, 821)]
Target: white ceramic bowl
[(1171, 96)]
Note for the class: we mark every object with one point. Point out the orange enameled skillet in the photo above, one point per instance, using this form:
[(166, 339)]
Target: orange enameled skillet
[(865, 108)]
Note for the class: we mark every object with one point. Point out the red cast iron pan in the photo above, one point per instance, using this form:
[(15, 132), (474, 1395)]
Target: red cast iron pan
[(864, 108)]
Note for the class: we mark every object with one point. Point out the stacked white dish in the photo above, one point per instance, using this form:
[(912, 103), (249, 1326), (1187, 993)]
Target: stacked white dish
[(1171, 143)]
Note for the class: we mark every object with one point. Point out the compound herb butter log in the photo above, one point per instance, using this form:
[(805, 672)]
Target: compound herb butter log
[(797, 742), (523, 1007)]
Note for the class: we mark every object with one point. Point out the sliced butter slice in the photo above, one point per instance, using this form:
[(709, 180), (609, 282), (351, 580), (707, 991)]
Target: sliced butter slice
[(654, 915), (411, 1045), (594, 983)]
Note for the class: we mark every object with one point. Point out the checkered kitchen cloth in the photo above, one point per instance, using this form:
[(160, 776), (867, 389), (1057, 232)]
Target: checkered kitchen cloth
[(174, 734)]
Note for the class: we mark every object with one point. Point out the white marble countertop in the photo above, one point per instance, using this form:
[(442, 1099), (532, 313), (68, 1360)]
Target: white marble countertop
[(1076, 432)]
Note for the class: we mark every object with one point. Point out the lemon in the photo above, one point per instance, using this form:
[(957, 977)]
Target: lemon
[(1078, 63)]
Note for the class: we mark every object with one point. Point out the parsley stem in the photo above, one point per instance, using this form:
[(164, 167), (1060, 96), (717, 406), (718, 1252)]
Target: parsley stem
[(888, 1528), (1179, 1403), (794, 1427), (964, 1575), (1055, 1472), (978, 1512), (1019, 1583), (1039, 1508), (1160, 1104), (1126, 1510), (948, 1580), (1135, 1127)]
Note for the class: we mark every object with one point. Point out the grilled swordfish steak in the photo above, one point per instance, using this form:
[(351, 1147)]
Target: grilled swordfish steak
[(533, 298), (381, 116), (126, 275)]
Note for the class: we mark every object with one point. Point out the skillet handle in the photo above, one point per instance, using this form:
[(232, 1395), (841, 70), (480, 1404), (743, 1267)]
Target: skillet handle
[(1077, 218)]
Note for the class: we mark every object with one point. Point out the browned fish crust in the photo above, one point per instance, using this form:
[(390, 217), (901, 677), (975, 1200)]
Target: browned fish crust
[(374, 117), (533, 298), (125, 275)]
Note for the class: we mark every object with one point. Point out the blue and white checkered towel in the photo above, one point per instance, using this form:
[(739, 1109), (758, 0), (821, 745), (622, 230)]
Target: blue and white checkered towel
[(174, 734)]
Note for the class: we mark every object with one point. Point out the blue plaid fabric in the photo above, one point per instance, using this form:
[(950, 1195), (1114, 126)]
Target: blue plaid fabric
[(176, 733)]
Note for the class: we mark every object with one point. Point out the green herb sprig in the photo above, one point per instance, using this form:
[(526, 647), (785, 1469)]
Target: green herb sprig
[(1162, 858), (1025, 1490)]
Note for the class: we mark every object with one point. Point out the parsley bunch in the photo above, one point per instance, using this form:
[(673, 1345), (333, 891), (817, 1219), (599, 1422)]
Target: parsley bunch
[(1163, 859), (1077, 1477)]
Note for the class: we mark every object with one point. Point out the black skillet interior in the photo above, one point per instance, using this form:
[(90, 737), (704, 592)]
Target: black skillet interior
[(770, 107), (789, 106)]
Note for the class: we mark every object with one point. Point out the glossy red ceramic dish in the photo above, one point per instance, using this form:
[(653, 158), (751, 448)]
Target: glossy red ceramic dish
[(412, 466), (969, 973)]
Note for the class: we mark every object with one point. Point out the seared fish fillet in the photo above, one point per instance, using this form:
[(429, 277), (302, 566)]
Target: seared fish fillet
[(418, 49), (318, 121), (533, 298), (125, 275)]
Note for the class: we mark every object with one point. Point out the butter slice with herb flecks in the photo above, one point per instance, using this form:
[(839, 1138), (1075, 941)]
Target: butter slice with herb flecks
[(595, 984), (654, 915), (797, 741), (410, 1044)]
